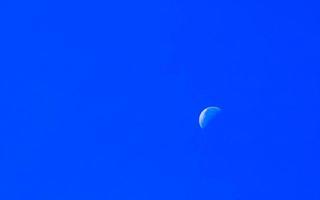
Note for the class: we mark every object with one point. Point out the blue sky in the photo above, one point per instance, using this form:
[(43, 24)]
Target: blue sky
[(100, 100)]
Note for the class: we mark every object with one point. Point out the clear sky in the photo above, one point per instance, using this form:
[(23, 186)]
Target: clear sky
[(100, 100)]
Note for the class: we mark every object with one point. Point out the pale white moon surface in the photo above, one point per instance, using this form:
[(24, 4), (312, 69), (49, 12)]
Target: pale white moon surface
[(207, 115)]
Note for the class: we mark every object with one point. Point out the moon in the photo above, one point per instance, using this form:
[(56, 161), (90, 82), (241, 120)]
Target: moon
[(207, 115)]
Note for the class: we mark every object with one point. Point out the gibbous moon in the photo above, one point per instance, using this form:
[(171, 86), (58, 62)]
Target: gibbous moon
[(207, 115)]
